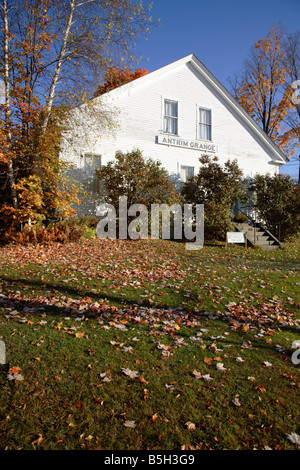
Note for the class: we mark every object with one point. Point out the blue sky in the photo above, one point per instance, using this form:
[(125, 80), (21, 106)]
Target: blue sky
[(219, 32)]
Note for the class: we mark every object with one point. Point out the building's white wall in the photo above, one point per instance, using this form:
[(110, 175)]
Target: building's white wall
[(139, 118)]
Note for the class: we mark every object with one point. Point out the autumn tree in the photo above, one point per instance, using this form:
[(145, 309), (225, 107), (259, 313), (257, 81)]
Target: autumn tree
[(262, 89), (291, 45), (115, 77), (52, 52)]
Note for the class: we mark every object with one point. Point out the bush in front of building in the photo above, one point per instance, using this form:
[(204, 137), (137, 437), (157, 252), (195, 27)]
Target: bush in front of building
[(218, 188), (143, 181), (277, 203)]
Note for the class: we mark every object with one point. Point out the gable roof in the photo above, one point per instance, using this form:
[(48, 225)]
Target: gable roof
[(278, 156)]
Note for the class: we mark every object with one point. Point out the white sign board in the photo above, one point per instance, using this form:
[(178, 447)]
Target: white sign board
[(236, 237), (2, 353), (185, 143)]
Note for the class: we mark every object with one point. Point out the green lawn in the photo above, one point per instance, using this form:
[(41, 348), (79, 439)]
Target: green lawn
[(122, 345)]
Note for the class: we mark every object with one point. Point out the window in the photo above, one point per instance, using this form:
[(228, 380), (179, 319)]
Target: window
[(171, 117), (186, 173), (204, 124), (91, 162)]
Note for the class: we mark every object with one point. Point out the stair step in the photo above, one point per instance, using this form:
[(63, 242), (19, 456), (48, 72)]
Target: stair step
[(257, 236), (268, 247)]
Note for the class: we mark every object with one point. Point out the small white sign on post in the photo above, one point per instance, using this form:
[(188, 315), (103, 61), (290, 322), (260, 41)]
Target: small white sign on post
[(236, 237)]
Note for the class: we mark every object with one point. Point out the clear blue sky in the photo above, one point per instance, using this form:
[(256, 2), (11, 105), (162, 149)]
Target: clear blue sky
[(219, 32)]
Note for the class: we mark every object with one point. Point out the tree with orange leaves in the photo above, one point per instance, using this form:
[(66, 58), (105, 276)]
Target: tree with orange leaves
[(50, 53), (115, 77), (263, 89)]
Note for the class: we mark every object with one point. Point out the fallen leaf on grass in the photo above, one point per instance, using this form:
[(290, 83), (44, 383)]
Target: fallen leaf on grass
[(170, 387), (13, 374), (133, 374), (207, 360), (260, 388), (14, 370), (236, 402), (191, 426), (155, 417), (294, 438), (105, 376), (129, 424), (239, 359), (17, 377), (98, 400), (198, 375), (206, 377), (38, 441), (78, 405), (79, 334)]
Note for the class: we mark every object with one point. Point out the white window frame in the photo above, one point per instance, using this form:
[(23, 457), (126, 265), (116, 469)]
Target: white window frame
[(201, 108), (90, 170), (170, 117), (91, 156), (185, 180)]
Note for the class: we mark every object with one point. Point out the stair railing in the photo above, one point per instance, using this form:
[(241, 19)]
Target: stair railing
[(256, 223)]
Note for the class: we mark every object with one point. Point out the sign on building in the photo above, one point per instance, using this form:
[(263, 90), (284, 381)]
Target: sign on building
[(185, 143)]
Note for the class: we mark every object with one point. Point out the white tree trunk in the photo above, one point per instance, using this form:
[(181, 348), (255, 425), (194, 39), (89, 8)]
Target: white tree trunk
[(11, 175), (55, 77)]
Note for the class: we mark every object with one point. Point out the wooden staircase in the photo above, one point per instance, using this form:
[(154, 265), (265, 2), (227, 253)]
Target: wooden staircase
[(257, 235)]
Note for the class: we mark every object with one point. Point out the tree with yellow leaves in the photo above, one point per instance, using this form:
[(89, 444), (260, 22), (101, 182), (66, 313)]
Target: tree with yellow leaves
[(51, 53), (263, 89)]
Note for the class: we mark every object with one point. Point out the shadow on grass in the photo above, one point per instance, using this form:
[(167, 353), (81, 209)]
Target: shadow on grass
[(113, 301), (79, 293)]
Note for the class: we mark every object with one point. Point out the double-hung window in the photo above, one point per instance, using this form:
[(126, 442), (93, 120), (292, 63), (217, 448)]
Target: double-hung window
[(204, 124), (91, 163), (171, 117), (186, 173)]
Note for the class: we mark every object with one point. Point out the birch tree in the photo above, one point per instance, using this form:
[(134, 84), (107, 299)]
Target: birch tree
[(7, 105), (53, 52)]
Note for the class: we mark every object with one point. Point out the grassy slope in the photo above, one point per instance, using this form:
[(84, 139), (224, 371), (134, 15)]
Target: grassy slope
[(69, 313)]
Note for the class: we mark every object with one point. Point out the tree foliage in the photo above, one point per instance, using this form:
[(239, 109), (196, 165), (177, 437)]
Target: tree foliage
[(277, 203), (51, 52), (218, 188), (143, 181), (264, 89), (115, 77)]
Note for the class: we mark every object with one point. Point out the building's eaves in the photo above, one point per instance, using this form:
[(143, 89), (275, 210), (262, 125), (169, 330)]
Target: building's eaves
[(239, 109)]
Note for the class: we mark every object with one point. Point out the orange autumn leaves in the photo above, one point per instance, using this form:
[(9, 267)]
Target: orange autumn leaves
[(265, 90), (115, 77)]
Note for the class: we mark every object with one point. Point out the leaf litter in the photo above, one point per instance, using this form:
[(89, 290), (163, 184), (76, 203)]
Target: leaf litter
[(266, 318)]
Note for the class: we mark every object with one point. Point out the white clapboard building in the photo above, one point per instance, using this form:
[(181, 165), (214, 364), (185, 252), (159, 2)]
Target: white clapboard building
[(174, 114)]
